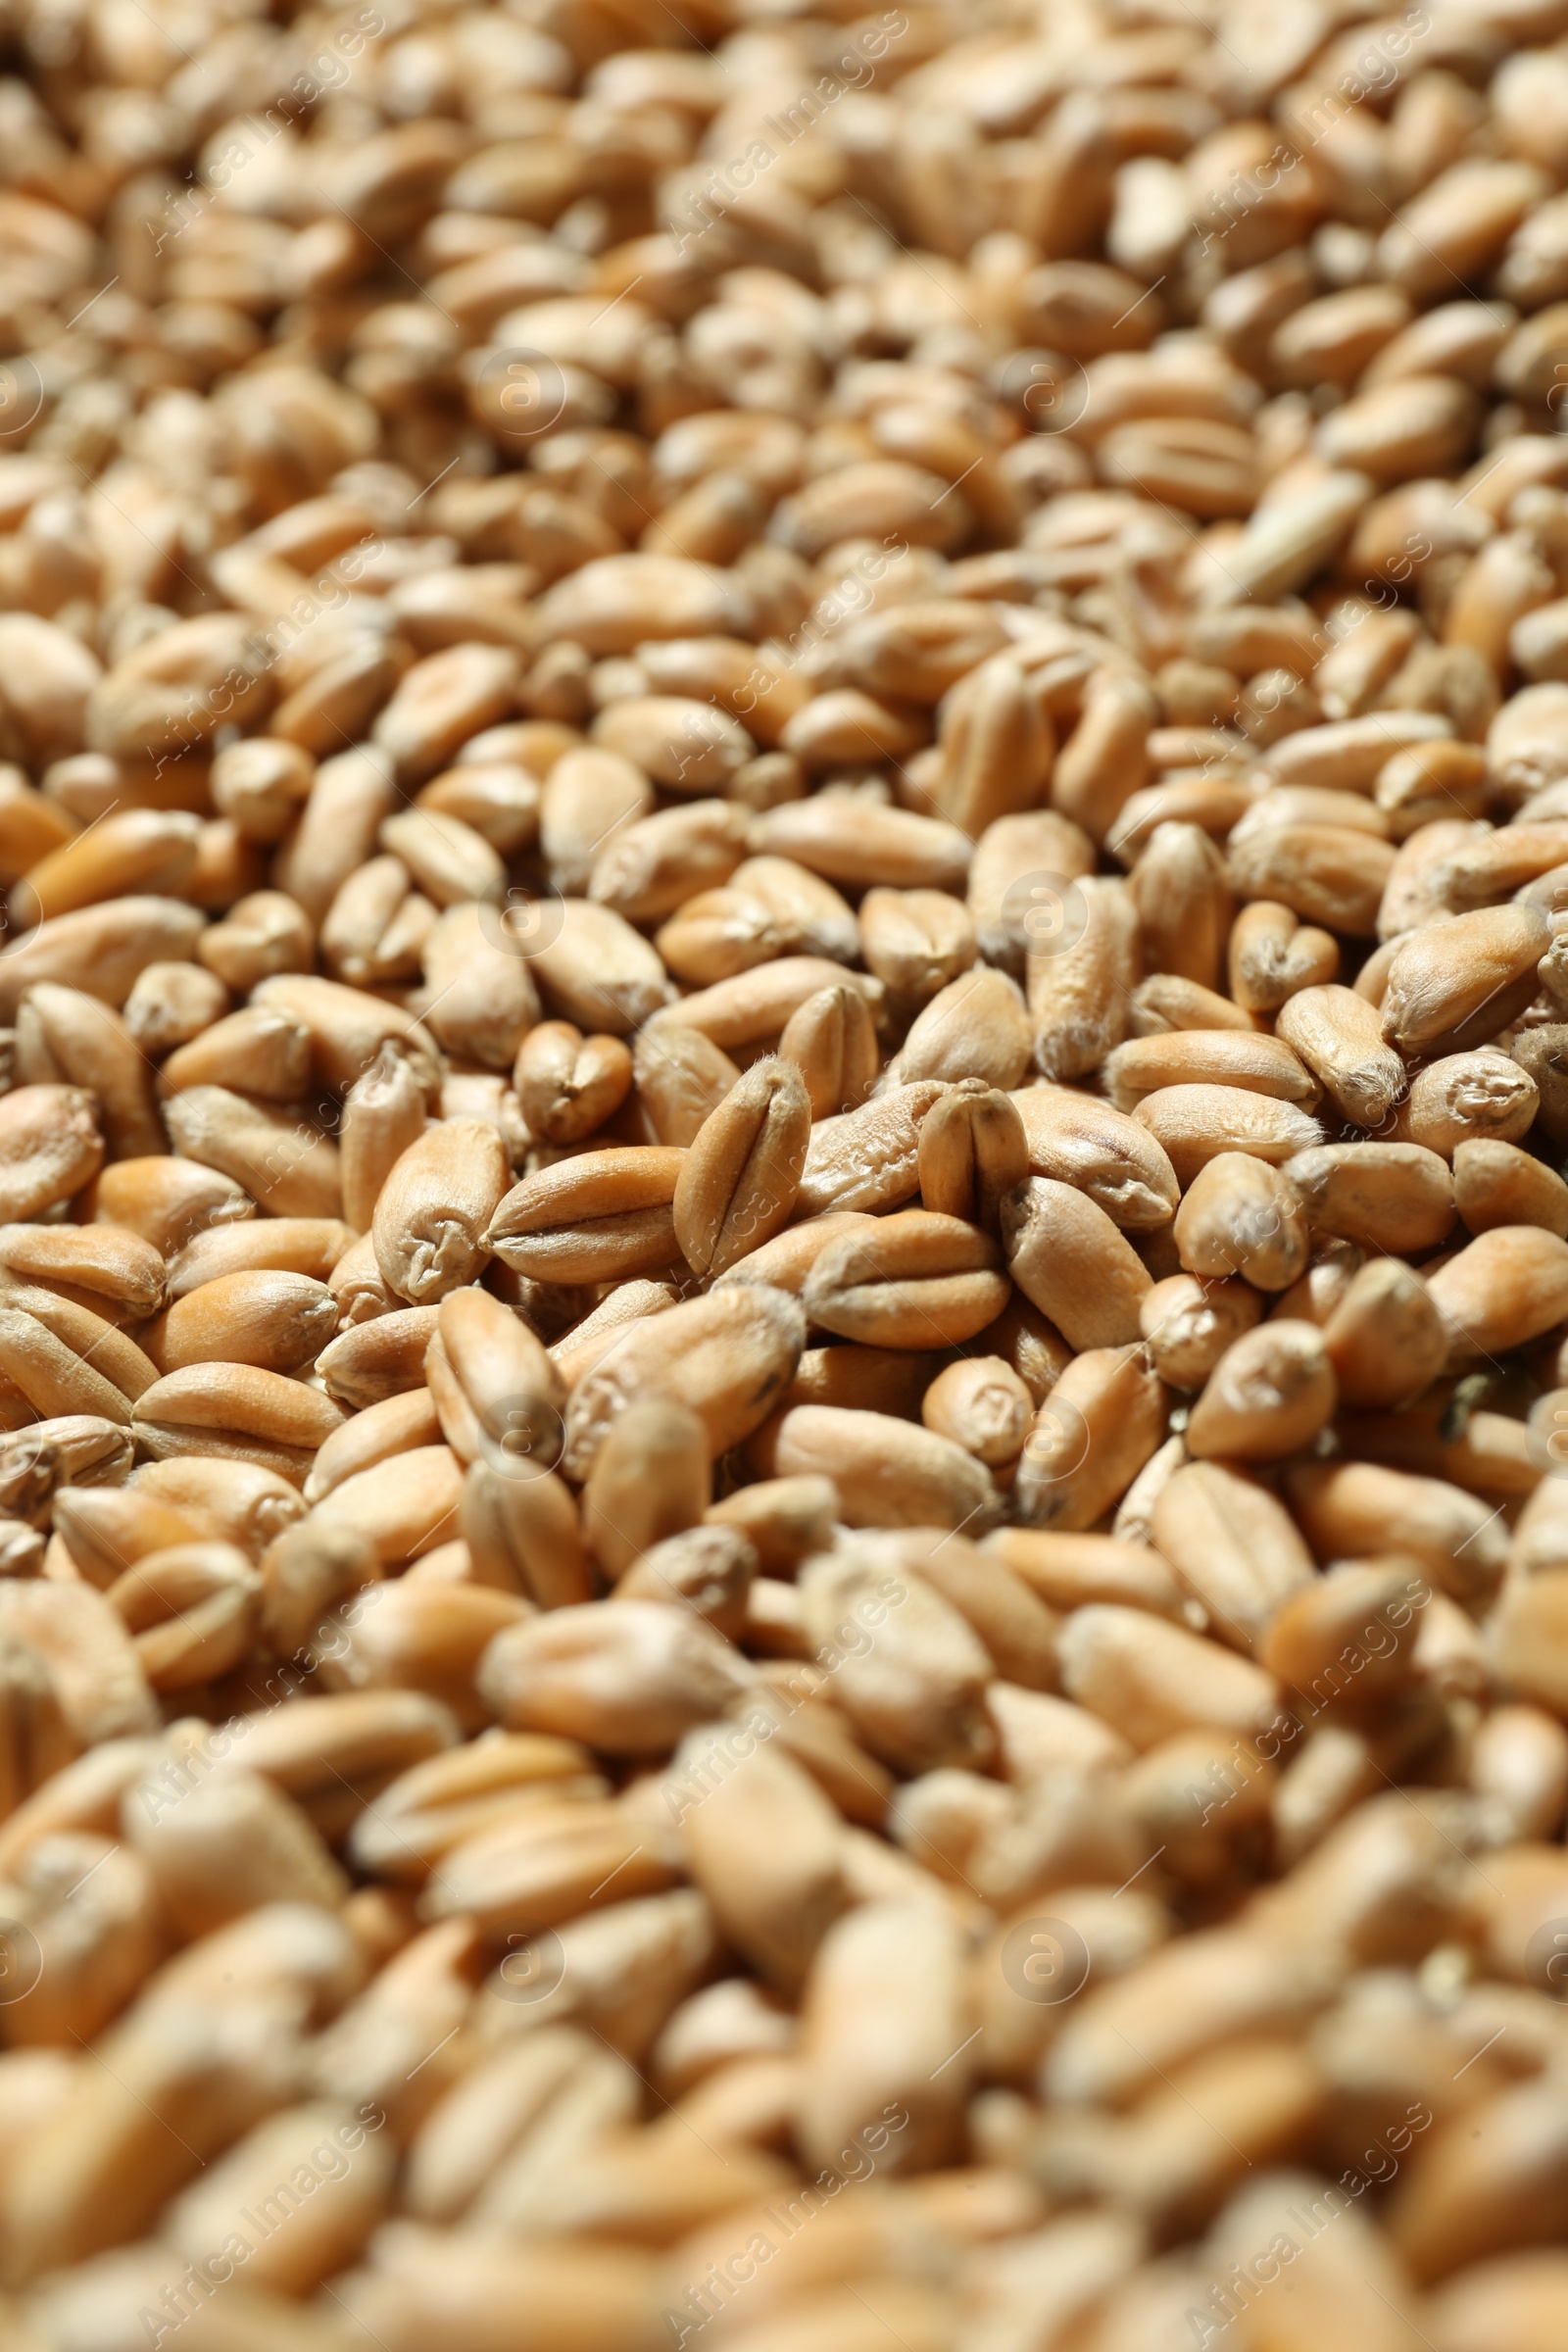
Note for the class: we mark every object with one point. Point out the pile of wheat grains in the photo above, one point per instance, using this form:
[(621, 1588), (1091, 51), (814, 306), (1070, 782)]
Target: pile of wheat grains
[(783, 1271)]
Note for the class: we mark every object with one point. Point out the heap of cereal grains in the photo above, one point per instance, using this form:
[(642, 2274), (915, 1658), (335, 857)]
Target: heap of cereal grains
[(783, 1248)]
